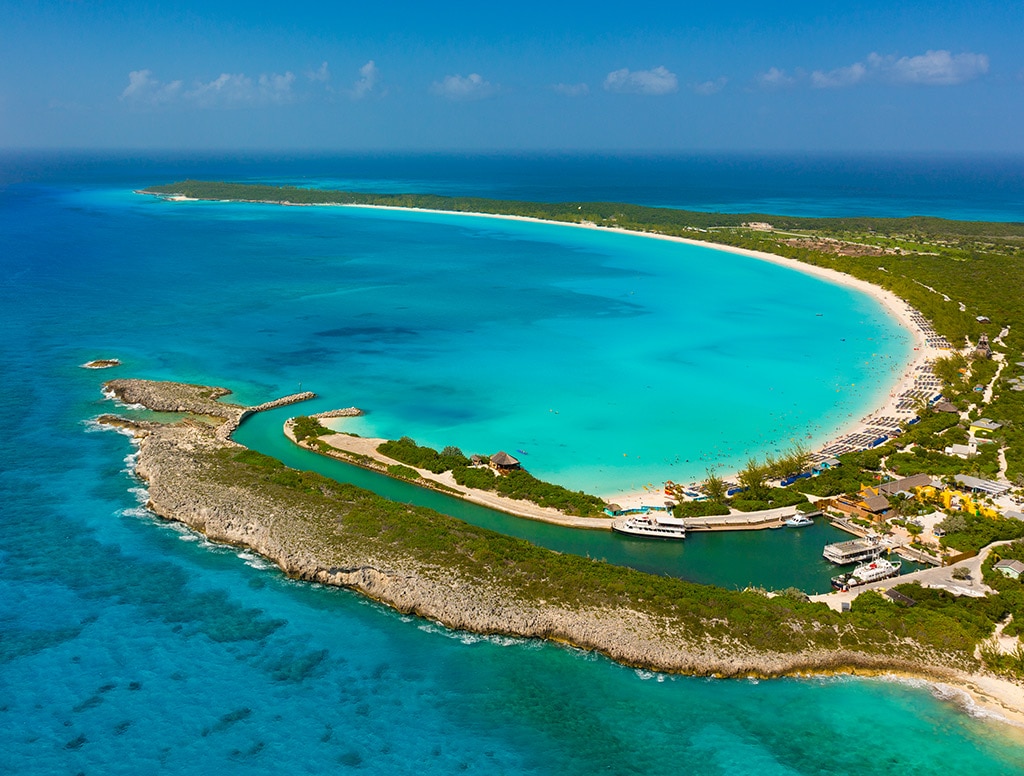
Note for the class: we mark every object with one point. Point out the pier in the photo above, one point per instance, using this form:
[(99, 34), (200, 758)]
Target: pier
[(740, 521)]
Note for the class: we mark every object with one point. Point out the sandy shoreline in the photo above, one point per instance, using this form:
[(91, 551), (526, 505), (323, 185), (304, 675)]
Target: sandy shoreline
[(367, 446)]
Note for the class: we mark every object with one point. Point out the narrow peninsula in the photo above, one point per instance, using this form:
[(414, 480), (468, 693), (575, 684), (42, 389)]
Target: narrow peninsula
[(427, 564)]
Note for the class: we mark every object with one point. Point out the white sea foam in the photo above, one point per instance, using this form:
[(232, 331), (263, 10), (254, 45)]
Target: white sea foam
[(252, 560), (963, 700), (467, 638), (131, 462), (109, 396), (92, 425), (949, 694), (647, 676)]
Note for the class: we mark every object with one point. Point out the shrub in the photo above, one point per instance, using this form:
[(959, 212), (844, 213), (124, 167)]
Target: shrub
[(700, 509), (306, 428), (407, 451)]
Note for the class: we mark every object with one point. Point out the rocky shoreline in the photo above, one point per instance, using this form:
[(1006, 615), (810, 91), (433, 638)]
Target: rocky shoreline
[(188, 483)]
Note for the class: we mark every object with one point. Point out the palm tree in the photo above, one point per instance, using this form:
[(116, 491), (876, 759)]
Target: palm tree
[(752, 477), (796, 460), (714, 487)]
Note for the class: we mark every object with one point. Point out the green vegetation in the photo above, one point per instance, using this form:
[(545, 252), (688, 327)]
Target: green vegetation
[(523, 485), (700, 508), (407, 451), (305, 428), (517, 484), (403, 472), (969, 533), (767, 498), (341, 516), (715, 488)]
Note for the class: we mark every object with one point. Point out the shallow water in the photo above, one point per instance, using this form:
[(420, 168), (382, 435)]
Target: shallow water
[(128, 645)]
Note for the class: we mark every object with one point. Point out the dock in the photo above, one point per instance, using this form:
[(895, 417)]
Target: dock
[(740, 521)]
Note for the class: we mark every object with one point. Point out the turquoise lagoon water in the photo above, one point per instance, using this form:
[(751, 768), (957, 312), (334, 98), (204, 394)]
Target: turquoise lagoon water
[(127, 645), (614, 361)]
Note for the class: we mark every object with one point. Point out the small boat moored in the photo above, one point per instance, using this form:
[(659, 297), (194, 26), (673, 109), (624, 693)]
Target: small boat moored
[(797, 521), (876, 570), (649, 526)]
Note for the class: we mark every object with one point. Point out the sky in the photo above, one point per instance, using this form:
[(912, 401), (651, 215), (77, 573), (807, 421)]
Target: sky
[(933, 76)]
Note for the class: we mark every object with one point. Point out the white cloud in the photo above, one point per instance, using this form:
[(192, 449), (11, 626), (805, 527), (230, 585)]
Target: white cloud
[(227, 90), (572, 90), (321, 75), (457, 87), (276, 87), (841, 76), (773, 78), (655, 81), (714, 86), (935, 68), (143, 88), (368, 77), (139, 82)]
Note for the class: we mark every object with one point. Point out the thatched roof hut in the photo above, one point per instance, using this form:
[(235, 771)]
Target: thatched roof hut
[(503, 461)]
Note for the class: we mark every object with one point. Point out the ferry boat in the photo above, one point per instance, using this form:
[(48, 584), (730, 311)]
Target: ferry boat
[(881, 568), (853, 551), (651, 527), (797, 521)]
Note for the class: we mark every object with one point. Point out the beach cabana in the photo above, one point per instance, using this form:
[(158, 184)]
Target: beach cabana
[(503, 462)]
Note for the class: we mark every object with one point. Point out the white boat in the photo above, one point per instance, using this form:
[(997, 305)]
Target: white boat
[(874, 571), (797, 521), (651, 527)]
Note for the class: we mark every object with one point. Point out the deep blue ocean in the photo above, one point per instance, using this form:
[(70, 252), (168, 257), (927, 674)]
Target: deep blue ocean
[(128, 645)]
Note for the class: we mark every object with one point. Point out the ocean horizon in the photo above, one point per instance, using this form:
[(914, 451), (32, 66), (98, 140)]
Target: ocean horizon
[(128, 644)]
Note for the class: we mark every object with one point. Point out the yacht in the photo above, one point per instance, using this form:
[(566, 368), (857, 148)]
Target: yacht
[(651, 527), (881, 568)]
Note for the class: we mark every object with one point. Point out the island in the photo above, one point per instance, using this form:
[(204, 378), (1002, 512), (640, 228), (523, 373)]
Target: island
[(424, 563), (928, 467)]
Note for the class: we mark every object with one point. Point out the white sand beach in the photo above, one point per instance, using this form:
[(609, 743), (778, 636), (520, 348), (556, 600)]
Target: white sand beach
[(367, 446)]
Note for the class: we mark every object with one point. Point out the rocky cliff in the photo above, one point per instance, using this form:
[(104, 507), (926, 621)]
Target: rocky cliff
[(314, 536)]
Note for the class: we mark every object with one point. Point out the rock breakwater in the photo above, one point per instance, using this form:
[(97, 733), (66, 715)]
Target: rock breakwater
[(194, 399), (346, 412)]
